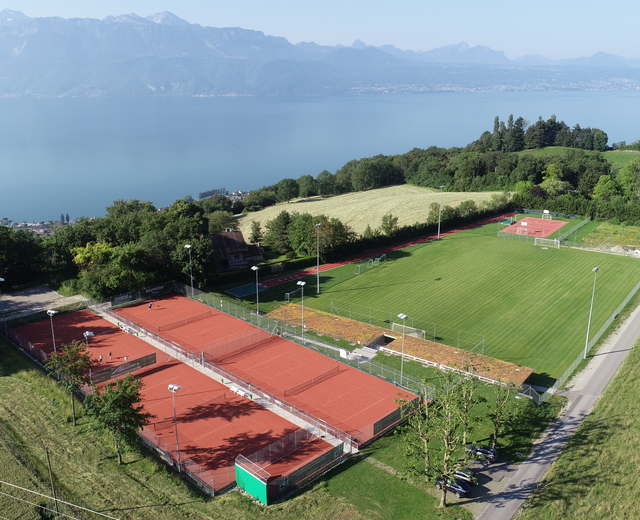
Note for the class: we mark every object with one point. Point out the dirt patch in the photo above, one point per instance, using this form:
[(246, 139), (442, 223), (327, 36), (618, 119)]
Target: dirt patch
[(358, 333)]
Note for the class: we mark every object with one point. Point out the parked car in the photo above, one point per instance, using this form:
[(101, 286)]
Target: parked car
[(483, 452), (465, 475), (459, 488)]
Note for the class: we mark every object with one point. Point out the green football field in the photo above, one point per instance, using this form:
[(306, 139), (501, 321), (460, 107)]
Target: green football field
[(531, 304)]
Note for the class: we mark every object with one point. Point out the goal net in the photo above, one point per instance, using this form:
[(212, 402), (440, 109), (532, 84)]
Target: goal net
[(546, 215), (522, 231), (293, 294), (378, 260), (409, 331), (547, 242)]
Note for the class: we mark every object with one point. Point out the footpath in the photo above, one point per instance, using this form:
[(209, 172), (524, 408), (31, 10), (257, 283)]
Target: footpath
[(583, 392), (378, 252)]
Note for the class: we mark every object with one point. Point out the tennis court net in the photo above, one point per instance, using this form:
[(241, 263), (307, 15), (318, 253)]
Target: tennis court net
[(186, 321)]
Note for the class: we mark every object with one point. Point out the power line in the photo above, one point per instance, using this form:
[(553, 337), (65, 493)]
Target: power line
[(56, 500)]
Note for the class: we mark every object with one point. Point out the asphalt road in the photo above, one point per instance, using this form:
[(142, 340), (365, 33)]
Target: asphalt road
[(583, 393)]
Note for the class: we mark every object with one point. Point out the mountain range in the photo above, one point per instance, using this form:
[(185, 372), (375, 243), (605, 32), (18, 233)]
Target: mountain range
[(164, 54)]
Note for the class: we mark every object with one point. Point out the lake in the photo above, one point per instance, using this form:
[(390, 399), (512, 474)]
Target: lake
[(78, 155)]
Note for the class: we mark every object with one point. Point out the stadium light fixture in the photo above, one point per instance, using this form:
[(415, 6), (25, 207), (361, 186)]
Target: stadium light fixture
[(593, 294), (188, 248), (302, 284), (51, 314), (440, 211), (256, 269), (88, 334), (318, 254), (174, 390), (403, 317), (4, 321)]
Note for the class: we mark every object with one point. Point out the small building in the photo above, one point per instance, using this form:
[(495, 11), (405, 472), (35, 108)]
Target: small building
[(233, 252)]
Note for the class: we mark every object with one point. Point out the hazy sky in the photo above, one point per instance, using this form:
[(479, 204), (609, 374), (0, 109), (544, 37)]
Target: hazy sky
[(552, 28)]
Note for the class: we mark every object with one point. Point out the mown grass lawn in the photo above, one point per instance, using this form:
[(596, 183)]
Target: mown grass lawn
[(531, 304), (596, 476)]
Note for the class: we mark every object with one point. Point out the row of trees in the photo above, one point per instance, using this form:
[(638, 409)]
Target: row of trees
[(301, 234), (438, 429)]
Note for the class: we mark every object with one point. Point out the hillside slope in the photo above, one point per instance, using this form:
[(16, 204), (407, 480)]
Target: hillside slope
[(409, 203)]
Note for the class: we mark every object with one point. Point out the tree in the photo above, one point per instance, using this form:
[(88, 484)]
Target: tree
[(277, 235), (71, 364), (389, 224), (287, 189), (220, 221), (502, 410), (605, 189), (67, 218), (434, 433), (629, 178), (308, 186), (114, 409), (256, 232), (326, 183)]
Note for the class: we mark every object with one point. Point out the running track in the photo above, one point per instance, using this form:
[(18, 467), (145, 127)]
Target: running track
[(378, 252)]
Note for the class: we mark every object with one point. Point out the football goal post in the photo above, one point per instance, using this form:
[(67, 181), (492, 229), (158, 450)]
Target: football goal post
[(546, 215), (547, 242), (378, 260), (409, 331), (293, 294)]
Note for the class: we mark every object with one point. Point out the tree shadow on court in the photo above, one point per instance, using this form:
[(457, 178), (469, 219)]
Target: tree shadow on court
[(155, 369), (226, 452), (225, 410)]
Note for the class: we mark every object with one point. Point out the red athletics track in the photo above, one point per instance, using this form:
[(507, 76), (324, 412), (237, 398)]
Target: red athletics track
[(536, 227), (212, 433), (378, 252), (350, 400)]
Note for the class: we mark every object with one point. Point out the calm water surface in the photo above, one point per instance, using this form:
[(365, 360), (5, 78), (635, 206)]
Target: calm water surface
[(77, 156)]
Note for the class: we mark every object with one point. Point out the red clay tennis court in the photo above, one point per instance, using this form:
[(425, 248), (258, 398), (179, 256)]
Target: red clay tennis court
[(344, 397), (214, 424), (535, 227)]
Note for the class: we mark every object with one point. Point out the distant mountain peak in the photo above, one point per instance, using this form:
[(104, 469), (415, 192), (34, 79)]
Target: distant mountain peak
[(359, 44), (9, 17), (167, 18)]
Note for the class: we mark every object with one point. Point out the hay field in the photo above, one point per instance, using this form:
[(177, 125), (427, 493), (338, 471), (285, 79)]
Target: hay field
[(409, 203)]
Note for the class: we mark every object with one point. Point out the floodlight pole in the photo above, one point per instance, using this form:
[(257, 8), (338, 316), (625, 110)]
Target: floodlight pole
[(302, 284), (593, 294), (174, 389), (440, 212), (51, 314), (318, 254), (188, 248), (403, 317), (256, 269), (4, 320), (87, 335)]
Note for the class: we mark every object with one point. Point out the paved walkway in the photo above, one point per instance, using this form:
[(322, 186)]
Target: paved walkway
[(583, 392)]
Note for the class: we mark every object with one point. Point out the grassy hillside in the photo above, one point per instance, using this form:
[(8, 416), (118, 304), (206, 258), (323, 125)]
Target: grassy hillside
[(409, 203), (596, 476)]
